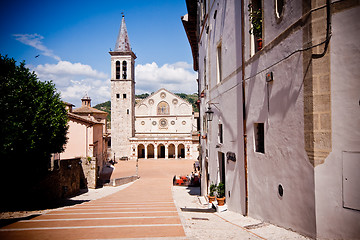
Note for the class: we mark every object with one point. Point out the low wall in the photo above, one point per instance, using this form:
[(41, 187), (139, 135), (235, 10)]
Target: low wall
[(121, 181), (90, 171), (64, 181)]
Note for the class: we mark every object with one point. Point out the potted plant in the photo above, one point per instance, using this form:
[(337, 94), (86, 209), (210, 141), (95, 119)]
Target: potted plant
[(255, 17), (220, 196), (212, 191)]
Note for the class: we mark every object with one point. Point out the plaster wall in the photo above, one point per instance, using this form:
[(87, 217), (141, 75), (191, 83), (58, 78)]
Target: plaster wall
[(273, 25), (203, 87), (229, 116), (225, 98), (76, 145), (333, 220), (101, 118), (279, 105), (99, 150)]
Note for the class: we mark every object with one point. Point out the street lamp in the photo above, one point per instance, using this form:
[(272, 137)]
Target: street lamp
[(209, 114)]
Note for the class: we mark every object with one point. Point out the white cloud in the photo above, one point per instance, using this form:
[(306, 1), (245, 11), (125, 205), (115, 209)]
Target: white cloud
[(177, 77), (73, 80), (35, 40)]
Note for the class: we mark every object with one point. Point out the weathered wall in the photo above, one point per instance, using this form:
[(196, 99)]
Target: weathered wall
[(61, 183), (122, 109), (333, 220), (224, 98), (279, 105), (310, 112), (91, 172)]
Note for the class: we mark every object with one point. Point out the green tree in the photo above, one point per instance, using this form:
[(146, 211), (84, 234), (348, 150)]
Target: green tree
[(33, 118), (142, 96)]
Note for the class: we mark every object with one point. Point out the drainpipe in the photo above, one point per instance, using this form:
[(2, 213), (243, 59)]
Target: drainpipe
[(86, 141), (328, 29), (243, 104)]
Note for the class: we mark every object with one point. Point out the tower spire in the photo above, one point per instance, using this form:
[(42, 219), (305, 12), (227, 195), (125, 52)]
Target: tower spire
[(122, 42)]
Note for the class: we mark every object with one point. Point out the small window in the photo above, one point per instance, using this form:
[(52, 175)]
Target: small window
[(259, 137), (205, 82), (279, 6), (205, 124), (117, 70), (203, 9), (124, 95), (220, 133), (218, 64), (117, 95), (127, 111)]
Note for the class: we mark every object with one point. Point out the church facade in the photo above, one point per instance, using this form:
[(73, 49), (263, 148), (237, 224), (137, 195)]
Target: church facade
[(162, 126)]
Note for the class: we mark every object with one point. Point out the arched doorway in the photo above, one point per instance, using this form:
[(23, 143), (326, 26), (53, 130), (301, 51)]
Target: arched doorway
[(141, 151), (161, 151), (181, 151), (171, 151), (150, 151)]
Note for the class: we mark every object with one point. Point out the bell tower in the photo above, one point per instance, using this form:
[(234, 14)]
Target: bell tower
[(122, 94)]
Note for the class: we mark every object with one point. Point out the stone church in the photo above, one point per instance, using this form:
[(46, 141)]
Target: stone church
[(162, 126)]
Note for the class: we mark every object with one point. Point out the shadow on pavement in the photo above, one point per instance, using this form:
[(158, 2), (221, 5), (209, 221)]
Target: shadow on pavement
[(33, 205), (202, 210), (194, 191), (5, 222), (105, 175)]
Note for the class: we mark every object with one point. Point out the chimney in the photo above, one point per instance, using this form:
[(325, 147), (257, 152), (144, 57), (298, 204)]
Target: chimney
[(86, 101), (69, 106)]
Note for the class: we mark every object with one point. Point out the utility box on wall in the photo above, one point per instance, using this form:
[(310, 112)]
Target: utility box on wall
[(351, 180)]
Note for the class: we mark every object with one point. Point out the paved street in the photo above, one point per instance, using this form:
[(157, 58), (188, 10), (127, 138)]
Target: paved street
[(144, 209)]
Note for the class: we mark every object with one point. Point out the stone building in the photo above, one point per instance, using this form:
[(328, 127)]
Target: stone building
[(161, 126), (280, 109)]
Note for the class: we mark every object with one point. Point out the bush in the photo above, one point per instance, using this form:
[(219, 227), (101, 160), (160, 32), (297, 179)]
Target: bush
[(220, 190), (212, 190)]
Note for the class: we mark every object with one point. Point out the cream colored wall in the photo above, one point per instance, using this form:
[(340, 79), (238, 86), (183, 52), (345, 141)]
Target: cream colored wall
[(76, 145)]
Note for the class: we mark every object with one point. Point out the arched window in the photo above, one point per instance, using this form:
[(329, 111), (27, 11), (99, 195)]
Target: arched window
[(124, 68), (117, 69), (163, 108)]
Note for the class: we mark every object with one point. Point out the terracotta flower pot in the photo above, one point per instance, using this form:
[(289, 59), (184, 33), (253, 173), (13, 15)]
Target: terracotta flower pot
[(259, 41), (211, 198), (221, 201)]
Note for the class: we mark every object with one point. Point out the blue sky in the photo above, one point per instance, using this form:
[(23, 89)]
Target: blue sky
[(73, 39)]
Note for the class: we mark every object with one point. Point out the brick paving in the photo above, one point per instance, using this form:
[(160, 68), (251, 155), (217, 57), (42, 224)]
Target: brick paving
[(145, 209)]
